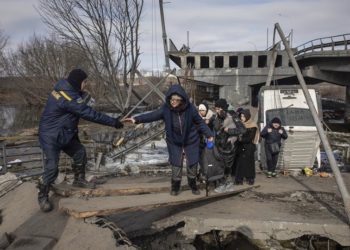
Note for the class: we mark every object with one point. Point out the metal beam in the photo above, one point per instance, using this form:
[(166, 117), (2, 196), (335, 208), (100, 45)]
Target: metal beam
[(339, 179), (165, 43), (272, 64), (154, 88)]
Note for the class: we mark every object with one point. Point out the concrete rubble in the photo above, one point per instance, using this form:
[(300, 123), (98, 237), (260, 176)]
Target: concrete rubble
[(281, 209)]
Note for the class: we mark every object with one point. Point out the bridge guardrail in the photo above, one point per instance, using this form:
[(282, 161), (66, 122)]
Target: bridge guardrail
[(331, 43)]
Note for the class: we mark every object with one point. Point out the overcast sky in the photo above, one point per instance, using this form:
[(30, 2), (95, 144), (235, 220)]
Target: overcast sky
[(213, 25)]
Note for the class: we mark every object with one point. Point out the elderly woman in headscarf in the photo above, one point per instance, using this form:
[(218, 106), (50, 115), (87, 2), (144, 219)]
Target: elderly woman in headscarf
[(182, 126), (208, 117), (245, 150), (206, 114)]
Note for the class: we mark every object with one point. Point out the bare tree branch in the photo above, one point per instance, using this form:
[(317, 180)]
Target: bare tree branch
[(3, 42), (107, 32), (40, 63)]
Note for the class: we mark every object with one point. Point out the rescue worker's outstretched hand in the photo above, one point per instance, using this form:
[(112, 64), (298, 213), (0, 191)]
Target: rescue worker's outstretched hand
[(118, 124), (130, 119)]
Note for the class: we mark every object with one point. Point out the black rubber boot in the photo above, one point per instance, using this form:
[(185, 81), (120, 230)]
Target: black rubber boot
[(193, 185), (239, 181), (250, 181), (175, 187), (79, 178), (43, 198), (80, 181)]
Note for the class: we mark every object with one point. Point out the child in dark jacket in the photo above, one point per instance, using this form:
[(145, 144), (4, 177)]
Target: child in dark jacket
[(273, 134)]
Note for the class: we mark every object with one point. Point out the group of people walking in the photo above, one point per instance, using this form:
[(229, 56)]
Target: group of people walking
[(233, 133)]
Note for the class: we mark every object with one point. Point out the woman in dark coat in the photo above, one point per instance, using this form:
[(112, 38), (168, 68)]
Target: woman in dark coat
[(273, 134), (246, 146), (182, 126)]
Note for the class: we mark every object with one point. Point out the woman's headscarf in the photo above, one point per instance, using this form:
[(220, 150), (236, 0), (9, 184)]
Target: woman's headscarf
[(249, 123)]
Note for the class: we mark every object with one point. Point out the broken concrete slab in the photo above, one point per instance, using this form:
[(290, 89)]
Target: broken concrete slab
[(81, 235), (82, 208), (18, 206), (283, 209), (258, 230), (32, 242)]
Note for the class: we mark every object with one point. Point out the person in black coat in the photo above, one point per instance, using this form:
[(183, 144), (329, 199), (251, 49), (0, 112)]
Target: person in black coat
[(273, 134), (245, 150), (182, 126), (227, 127), (58, 131)]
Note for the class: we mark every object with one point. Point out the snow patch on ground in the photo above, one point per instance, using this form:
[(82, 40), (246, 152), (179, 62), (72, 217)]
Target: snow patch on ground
[(152, 153)]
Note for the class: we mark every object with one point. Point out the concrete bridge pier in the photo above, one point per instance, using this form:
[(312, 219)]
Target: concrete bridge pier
[(347, 105)]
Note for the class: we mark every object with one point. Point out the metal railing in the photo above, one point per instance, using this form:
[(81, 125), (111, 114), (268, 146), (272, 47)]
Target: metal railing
[(29, 157), (331, 43)]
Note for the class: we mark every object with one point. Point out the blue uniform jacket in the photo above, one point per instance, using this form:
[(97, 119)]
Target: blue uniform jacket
[(59, 121)]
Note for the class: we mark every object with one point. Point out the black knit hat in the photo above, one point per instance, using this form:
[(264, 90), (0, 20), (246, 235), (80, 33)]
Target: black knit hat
[(239, 110), (221, 103), (276, 120), (76, 77)]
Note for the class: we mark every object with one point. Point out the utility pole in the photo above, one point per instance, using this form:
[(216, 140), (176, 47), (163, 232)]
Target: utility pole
[(188, 39), (165, 42), (267, 38)]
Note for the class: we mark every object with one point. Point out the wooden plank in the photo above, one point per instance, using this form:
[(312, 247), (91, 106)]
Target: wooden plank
[(67, 190), (81, 208)]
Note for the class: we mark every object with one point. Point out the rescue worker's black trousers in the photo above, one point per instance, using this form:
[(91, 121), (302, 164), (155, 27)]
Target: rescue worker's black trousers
[(52, 152)]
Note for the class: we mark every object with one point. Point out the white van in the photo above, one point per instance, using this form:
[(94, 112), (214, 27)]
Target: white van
[(288, 103)]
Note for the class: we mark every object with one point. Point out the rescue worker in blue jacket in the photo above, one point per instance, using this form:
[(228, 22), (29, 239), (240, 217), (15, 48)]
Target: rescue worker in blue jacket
[(58, 131)]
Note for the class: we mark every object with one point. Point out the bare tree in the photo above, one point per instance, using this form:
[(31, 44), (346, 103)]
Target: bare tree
[(3, 42), (108, 33), (39, 64)]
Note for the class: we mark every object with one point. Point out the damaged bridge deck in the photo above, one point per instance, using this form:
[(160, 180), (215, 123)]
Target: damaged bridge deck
[(281, 208)]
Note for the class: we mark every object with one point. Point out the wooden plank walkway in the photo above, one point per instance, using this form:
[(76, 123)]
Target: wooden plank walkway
[(67, 190), (82, 208)]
